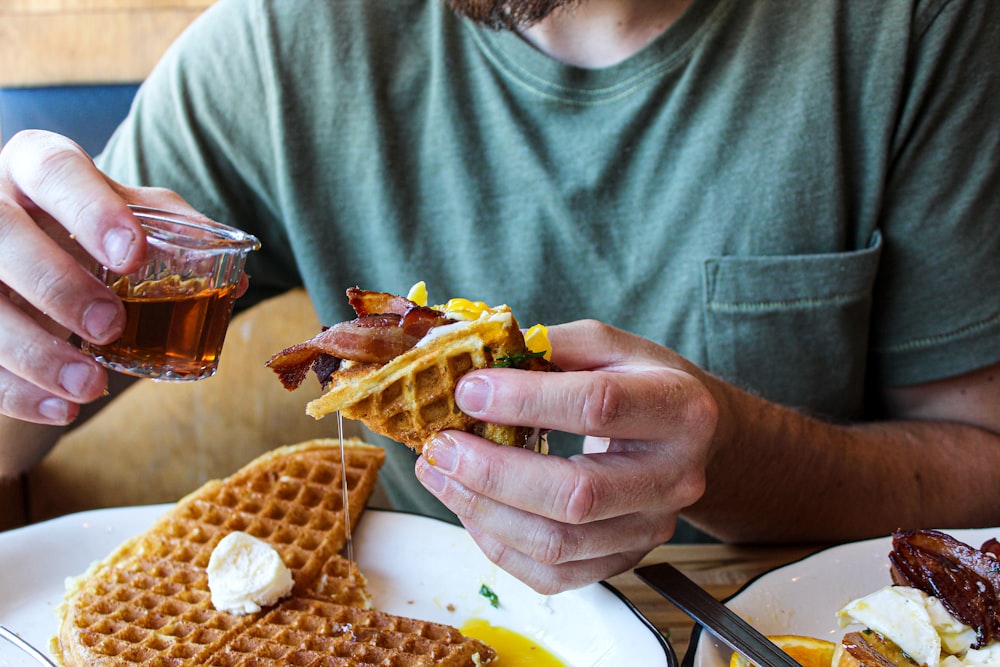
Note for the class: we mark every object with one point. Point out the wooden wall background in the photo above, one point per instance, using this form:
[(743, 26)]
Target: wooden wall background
[(52, 42)]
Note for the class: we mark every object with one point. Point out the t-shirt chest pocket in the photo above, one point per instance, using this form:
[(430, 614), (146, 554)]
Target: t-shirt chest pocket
[(793, 328)]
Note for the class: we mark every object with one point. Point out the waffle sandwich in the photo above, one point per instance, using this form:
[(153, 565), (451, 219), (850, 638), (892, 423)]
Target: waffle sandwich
[(149, 602), (396, 366)]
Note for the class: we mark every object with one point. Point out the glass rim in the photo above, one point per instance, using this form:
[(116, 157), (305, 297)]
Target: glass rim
[(212, 233)]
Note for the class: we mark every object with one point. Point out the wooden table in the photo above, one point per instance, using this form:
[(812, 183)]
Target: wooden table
[(721, 569)]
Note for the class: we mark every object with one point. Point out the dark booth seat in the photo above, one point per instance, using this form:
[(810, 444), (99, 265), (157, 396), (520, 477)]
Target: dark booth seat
[(88, 114)]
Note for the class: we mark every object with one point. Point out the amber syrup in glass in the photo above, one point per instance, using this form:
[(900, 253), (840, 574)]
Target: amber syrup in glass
[(182, 333)]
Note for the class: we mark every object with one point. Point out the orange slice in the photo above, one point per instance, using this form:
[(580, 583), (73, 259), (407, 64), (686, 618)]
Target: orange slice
[(807, 651)]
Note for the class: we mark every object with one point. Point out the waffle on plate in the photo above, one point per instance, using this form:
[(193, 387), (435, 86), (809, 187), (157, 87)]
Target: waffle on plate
[(149, 602)]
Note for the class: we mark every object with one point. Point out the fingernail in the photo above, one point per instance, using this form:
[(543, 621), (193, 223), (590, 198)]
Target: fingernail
[(432, 479), (74, 377), (473, 395), (117, 244), (54, 409), (98, 318), (442, 454)]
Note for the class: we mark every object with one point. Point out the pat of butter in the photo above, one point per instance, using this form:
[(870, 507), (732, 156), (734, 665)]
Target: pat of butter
[(245, 573)]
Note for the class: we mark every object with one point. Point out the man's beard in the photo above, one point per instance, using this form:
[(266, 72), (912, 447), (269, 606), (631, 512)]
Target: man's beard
[(507, 14)]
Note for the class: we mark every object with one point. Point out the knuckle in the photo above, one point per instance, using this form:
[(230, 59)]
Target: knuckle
[(18, 399), (8, 213), (9, 403), (583, 497), (49, 162), (469, 505), (13, 147), (53, 166), (462, 502), (595, 329), (28, 359), (490, 477), (55, 287), (661, 532), (604, 405), (553, 546), (552, 584), (702, 413), (689, 488), (32, 159), (91, 212), (496, 551)]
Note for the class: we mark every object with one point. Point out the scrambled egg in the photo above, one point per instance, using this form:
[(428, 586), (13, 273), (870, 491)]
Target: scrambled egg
[(536, 337), (988, 655)]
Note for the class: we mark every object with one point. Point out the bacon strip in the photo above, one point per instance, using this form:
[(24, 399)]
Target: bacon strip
[(366, 302), (376, 336)]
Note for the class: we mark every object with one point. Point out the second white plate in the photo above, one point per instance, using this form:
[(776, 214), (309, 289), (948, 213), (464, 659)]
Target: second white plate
[(803, 598)]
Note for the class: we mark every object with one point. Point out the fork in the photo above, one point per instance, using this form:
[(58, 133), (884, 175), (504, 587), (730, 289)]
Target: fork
[(16, 640)]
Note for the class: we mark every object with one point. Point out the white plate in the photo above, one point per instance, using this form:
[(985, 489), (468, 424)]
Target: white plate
[(415, 566), (803, 598)]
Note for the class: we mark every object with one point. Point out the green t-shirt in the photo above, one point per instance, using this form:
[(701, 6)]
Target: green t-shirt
[(801, 197)]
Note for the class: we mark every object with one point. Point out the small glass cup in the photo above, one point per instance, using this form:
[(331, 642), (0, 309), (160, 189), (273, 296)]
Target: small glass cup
[(179, 302)]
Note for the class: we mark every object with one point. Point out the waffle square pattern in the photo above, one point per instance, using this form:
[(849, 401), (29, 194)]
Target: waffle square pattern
[(149, 603), (412, 398)]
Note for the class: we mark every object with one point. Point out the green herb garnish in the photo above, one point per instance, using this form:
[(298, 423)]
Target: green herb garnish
[(516, 359), (485, 591)]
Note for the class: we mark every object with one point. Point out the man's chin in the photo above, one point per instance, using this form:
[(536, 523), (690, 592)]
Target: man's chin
[(507, 14)]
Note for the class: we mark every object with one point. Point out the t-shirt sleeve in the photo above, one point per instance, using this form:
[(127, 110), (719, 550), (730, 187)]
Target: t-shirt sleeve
[(937, 301)]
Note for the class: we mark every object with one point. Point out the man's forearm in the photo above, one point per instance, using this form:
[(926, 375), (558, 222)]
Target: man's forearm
[(818, 481)]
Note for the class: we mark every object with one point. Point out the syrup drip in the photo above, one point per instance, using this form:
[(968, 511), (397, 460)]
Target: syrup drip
[(345, 497)]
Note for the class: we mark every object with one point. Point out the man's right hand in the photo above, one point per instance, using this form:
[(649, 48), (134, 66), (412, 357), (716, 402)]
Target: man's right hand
[(58, 216)]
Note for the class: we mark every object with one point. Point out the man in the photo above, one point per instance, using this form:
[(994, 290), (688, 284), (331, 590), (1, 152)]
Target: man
[(791, 207)]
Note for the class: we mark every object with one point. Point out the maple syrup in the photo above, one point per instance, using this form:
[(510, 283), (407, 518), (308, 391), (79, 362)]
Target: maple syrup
[(349, 547), (178, 302), (168, 335)]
